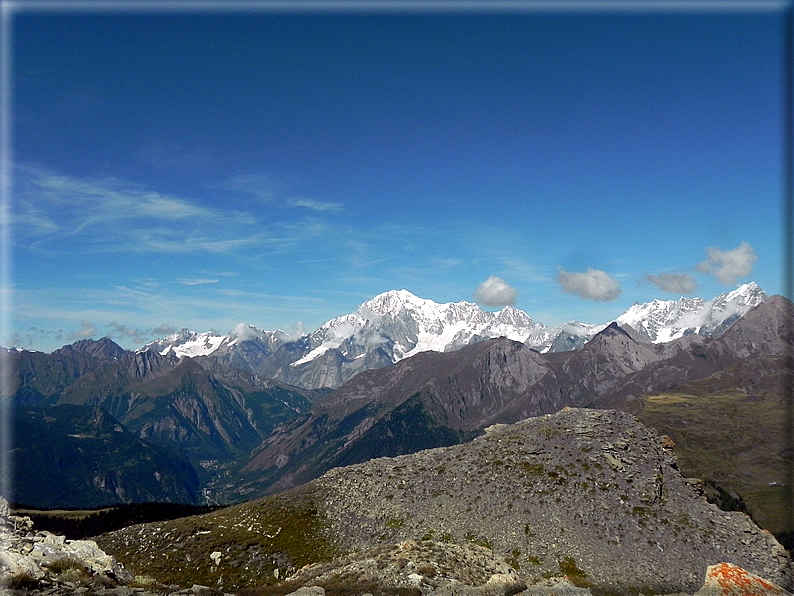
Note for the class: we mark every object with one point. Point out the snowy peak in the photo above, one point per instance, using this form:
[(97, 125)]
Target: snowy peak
[(512, 316), (402, 324), (395, 301), (397, 324), (402, 303), (185, 343), (663, 321)]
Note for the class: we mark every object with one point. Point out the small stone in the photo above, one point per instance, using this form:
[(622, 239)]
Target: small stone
[(308, 591)]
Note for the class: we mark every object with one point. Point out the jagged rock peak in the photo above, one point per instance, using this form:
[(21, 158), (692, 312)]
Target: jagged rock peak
[(103, 349)]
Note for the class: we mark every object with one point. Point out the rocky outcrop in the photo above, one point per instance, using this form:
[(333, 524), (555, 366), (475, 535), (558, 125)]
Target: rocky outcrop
[(590, 494), (43, 559), (725, 579), (45, 564)]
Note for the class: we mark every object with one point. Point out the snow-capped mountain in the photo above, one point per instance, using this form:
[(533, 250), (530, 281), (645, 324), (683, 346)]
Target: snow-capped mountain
[(663, 321), (244, 342), (402, 325), (186, 343), (397, 324)]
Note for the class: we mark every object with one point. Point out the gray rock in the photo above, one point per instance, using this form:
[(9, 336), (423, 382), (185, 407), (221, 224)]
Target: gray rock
[(15, 564), (308, 591), (34, 556), (580, 492)]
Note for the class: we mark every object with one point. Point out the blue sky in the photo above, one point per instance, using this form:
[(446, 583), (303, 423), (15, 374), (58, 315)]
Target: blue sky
[(202, 167)]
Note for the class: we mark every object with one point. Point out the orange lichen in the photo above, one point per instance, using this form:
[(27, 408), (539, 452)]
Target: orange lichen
[(735, 581)]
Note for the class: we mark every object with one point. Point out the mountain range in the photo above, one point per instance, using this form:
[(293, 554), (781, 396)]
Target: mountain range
[(434, 399), (234, 429), (396, 325)]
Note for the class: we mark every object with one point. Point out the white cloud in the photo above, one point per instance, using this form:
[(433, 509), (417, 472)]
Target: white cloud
[(297, 330), (679, 283), (87, 330), (593, 284), (729, 265), (245, 332), (315, 205), (495, 292), (196, 281)]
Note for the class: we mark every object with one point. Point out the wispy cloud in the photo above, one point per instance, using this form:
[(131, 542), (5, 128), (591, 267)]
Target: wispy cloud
[(679, 283), (729, 265), (314, 204), (593, 284), (86, 331), (58, 213), (196, 281), (135, 315), (262, 186), (495, 292)]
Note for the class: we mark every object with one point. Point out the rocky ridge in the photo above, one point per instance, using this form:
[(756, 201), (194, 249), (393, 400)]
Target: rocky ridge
[(593, 496), (572, 490)]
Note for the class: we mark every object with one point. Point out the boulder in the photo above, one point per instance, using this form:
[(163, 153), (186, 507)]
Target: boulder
[(725, 579), (14, 564), (96, 559), (32, 555)]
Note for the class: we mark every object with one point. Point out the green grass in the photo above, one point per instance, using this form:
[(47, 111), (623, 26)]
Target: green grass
[(283, 532), (735, 439)]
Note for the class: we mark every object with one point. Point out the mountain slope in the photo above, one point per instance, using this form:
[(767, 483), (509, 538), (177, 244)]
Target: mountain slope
[(443, 397), (434, 399), (208, 417), (733, 428), (590, 494), (89, 460)]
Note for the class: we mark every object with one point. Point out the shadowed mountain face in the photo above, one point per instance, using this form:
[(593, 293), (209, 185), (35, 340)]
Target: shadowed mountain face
[(88, 460), (204, 419), (436, 399), (175, 401)]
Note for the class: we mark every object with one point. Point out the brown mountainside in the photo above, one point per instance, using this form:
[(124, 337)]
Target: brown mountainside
[(435, 399)]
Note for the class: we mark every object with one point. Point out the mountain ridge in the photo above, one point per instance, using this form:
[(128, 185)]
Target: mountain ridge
[(441, 398), (225, 419), (397, 324)]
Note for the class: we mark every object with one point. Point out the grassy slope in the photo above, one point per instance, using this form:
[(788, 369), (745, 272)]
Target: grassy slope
[(255, 539), (736, 439)]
